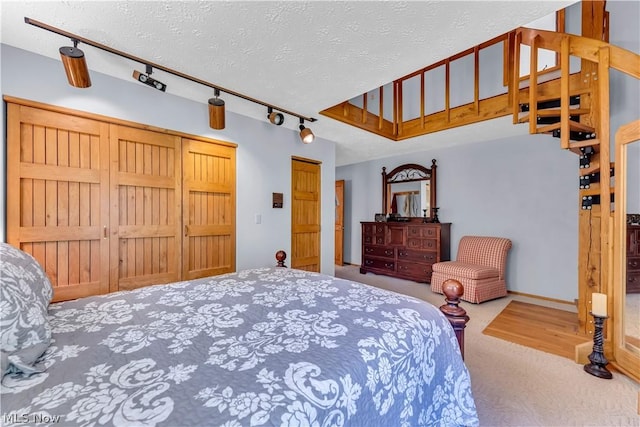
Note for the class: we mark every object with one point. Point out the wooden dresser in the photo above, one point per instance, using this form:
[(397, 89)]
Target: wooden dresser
[(633, 259), (406, 250)]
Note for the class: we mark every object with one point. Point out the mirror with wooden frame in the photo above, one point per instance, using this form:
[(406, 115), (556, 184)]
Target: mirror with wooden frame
[(409, 191), (626, 251)]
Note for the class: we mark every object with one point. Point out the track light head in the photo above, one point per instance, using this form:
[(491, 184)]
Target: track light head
[(148, 80), (75, 66), (216, 112), (275, 118), (305, 133)]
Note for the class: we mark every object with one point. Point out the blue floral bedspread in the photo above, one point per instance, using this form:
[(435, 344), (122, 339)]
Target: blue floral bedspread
[(262, 347)]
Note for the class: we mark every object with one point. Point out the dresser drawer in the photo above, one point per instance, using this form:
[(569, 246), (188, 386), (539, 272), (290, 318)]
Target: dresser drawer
[(633, 282), (379, 263), (419, 256), (373, 228), (378, 251), (416, 243), (422, 231), (421, 272), (633, 264), (368, 239)]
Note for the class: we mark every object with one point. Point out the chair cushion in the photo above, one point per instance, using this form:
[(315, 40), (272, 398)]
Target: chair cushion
[(456, 269)]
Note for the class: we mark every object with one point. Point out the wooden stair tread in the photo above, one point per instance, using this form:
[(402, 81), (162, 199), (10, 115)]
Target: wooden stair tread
[(586, 143), (594, 167), (594, 190), (575, 146), (572, 125), (524, 95), (548, 128), (553, 112)]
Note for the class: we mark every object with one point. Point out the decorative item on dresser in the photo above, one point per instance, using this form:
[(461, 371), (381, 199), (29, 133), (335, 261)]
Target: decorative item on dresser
[(406, 250), (633, 257)]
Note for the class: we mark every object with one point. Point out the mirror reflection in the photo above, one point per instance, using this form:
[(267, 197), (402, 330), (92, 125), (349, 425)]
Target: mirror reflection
[(632, 296), (410, 198)]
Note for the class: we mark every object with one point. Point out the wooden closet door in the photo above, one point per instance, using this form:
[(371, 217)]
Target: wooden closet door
[(57, 197), (209, 209), (145, 207), (305, 214)]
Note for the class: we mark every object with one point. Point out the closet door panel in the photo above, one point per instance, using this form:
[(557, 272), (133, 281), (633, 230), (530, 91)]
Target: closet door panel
[(57, 197), (145, 211), (208, 209)]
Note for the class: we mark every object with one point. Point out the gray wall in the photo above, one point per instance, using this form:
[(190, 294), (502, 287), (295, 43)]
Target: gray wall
[(263, 154), (524, 188)]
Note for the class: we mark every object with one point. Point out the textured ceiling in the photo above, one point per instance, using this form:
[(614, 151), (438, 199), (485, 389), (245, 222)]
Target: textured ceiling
[(303, 56)]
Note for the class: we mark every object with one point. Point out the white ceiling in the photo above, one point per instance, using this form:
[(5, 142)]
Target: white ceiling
[(303, 56)]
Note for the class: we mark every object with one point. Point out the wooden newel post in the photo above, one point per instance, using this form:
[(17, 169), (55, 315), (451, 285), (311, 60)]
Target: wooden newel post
[(457, 316), (280, 257)]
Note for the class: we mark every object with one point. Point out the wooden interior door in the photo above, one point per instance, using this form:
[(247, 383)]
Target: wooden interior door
[(145, 207), (339, 250), (57, 197), (305, 214), (209, 209)]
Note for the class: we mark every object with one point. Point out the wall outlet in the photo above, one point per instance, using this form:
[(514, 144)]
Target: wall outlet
[(258, 219)]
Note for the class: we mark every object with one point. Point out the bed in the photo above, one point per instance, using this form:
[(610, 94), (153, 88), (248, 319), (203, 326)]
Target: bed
[(268, 346)]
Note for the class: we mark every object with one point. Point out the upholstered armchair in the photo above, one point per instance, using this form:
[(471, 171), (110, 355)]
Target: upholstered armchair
[(480, 266)]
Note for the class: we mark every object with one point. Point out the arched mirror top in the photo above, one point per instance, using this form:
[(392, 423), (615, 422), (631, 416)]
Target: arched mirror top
[(409, 192)]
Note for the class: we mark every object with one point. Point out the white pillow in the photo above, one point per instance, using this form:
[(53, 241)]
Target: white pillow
[(25, 294)]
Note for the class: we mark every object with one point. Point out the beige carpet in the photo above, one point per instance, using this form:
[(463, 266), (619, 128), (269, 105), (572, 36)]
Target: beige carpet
[(515, 385)]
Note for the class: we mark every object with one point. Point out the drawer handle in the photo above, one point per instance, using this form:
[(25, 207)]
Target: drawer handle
[(368, 262), (633, 264), (632, 279), (388, 265), (368, 250), (388, 252)]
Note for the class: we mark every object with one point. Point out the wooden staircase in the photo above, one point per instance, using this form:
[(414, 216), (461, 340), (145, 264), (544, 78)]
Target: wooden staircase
[(573, 107)]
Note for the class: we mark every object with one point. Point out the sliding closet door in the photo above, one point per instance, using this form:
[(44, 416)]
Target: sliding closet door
[(145, 207), (209, 209), (57, 197)]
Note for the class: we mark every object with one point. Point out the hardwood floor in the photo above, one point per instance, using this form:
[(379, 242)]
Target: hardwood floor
[(543, 328)]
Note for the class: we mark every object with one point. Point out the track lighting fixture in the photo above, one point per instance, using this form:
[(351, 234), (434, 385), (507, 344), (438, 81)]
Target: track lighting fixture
[(148, 80), (78, 75), (275, 118), (305, 133), (75, 66), (216, 111)]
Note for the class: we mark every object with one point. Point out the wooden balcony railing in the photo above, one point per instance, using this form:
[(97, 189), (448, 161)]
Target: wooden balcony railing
[(399, 128), (507, 102)]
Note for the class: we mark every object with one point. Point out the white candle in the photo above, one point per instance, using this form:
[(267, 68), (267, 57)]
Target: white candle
[(599, 305)]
